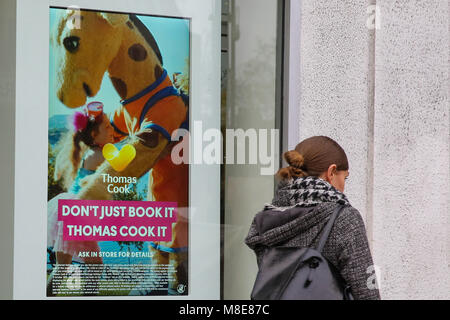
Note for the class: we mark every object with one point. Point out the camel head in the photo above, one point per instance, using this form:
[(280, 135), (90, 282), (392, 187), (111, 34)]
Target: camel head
[(84, 52)]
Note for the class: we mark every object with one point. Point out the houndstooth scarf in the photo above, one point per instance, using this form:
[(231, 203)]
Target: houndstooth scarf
[(305, 192)]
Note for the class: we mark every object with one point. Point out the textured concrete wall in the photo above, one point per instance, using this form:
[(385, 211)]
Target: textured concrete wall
[(384, 96), (411, 155), (335, 84)]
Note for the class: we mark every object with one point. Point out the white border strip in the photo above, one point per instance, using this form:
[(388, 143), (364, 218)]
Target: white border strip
[(32, 67)]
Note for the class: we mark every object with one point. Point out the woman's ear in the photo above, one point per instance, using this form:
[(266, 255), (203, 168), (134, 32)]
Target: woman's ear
[(330, 173)]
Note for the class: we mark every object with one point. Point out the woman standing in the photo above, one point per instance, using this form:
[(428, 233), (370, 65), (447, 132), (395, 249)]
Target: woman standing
[(309, 190)]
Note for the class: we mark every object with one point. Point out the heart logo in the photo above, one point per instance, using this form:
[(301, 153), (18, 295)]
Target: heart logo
[(119, 160)]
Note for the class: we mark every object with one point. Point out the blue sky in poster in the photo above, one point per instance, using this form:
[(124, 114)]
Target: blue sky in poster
[(172, 36)]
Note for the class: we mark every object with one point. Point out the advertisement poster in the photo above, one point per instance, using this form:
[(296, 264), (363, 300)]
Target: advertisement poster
[(117, 218)]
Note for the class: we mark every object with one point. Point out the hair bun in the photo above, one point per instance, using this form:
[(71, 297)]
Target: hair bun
[(294, 159)]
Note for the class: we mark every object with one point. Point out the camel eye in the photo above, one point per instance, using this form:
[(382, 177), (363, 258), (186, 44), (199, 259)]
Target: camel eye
[(72, 44)]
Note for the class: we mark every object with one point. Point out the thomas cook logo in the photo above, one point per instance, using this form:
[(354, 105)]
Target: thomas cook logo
[(119, 160), (181, 288)]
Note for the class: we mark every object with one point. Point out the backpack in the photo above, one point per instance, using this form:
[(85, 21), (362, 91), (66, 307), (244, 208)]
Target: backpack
[(294, 273)]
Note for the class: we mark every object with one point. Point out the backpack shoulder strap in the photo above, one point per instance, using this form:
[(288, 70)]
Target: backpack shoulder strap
[(328, 227)]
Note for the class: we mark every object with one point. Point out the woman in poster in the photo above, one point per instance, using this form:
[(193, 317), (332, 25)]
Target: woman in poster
[(80, 157)]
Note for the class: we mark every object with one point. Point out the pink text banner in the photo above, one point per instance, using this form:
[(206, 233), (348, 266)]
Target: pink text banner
[(107, 220)]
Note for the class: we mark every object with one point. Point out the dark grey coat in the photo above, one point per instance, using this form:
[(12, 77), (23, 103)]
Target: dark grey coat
[(347, 246)]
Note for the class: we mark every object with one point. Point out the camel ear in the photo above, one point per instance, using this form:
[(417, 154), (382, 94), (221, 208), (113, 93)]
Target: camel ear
[(114, 19)]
